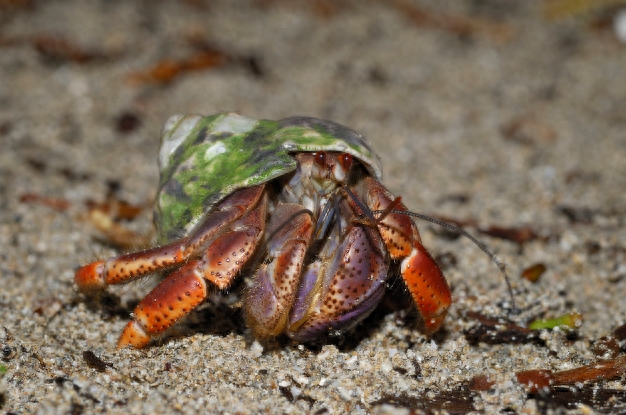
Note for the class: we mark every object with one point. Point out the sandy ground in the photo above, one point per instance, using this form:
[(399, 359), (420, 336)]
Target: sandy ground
[(482, 111)]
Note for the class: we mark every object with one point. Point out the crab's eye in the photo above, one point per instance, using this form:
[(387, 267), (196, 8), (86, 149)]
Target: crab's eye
[(320, 158), (346, 161)]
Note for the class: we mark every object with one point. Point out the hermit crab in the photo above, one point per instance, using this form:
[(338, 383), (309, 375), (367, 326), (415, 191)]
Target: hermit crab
[(296, 208)]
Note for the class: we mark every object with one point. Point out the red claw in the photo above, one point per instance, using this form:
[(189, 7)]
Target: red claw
[(427, 286), (421, 274)]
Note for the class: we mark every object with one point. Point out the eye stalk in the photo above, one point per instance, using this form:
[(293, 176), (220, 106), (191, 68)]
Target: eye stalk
[(328, 165), (320, 158), (346, 161)]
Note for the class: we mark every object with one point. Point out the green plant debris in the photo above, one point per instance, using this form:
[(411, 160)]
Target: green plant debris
[(568, 321)]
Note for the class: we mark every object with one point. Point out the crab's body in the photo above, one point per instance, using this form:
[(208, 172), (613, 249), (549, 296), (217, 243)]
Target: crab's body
[(291, 203)]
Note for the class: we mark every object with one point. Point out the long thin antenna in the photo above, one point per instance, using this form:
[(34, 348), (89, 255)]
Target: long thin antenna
[(461, 231)]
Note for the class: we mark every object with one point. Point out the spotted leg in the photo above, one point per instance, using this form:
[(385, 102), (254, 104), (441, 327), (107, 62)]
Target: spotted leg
[(186, 288), (421, 274), (127, 267)]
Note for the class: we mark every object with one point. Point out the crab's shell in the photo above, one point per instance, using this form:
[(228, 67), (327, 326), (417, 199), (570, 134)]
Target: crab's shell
[(204, 159)]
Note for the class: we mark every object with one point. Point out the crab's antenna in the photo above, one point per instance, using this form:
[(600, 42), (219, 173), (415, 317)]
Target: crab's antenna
[(366, 211), (460, 231), (324, 220)]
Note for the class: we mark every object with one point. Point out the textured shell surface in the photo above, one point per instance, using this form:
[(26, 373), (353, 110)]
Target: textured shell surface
[(204, 159)]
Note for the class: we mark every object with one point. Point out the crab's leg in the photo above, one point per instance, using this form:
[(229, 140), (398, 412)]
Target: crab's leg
[(127, 267), (420, 272), (273, 288), (184, 289)]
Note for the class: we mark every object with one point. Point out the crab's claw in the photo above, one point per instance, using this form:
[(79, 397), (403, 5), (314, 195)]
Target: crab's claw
[(420, 272), (427, 286)]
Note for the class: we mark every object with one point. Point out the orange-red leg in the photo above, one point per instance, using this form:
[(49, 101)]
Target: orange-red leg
[(125, 268), (185, 289), (174, 297), (421, 274), (427, 286)]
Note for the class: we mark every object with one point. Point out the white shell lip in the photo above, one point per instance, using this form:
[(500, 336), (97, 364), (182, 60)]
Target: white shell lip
[(372, 164)]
